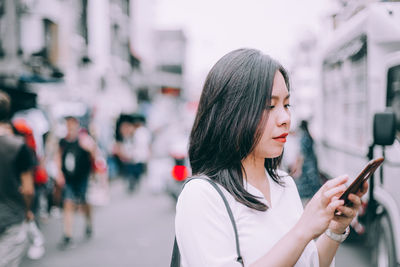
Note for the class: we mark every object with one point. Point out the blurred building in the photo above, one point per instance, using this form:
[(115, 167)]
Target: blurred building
[(170, 49), (305, 69), (346, 9), (304, 77), (98, 52)]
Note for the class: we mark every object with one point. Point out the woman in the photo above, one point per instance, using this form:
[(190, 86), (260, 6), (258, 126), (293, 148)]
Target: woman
[(237, 141)]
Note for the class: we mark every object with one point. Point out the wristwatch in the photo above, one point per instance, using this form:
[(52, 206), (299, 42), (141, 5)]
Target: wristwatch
[(337, 237)]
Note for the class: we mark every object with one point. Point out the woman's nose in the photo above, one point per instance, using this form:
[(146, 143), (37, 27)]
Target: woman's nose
[(283, 117)]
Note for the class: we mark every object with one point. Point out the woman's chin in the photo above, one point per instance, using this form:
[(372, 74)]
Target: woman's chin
[(274, 154)]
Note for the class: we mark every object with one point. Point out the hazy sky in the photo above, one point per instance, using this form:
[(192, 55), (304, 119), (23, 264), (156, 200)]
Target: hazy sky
[(215, 27)]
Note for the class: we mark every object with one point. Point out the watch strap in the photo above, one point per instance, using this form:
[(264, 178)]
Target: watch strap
[(338, 237)]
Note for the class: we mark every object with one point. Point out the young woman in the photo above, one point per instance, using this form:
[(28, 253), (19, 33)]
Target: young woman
[(237, 141)]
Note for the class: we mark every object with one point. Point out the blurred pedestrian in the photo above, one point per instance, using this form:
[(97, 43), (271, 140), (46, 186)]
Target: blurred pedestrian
[(123, 149), (36, 248), (165, 124), (308, 179), (114, 161), (141, 145), (76, 153), (16, 190), (22, 128), (133, 148), (237, 142)]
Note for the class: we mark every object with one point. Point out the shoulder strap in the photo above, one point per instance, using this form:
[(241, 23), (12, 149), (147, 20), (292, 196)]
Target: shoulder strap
[(175, 262)]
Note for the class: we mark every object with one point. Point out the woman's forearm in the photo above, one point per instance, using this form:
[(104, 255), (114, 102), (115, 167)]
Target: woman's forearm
[(287, 251), (326, 250)]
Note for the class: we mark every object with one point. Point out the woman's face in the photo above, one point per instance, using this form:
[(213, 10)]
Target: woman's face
[(278, 123)]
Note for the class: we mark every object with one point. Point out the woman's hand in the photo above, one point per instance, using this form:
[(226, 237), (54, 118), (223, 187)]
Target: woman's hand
[(320, 211), (346, 214)]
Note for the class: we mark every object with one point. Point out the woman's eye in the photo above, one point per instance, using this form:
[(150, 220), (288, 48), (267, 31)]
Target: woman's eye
[(272, 106)]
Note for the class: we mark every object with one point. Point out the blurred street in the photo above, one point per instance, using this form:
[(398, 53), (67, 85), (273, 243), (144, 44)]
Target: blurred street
[(137, 230), (95, 94), (133, 230), (353, 254)]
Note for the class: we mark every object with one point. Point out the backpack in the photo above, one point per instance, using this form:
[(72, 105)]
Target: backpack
[(22, 128)]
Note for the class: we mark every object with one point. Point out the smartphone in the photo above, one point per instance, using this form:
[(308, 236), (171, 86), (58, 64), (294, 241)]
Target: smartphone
[(357, 184)]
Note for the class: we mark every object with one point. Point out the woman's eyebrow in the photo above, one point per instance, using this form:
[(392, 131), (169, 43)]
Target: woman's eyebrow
[(277, 97)]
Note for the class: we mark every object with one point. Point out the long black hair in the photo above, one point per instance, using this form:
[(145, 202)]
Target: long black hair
[(229, 122)]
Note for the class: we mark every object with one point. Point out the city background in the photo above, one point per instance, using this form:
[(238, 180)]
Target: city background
[(98, 59)]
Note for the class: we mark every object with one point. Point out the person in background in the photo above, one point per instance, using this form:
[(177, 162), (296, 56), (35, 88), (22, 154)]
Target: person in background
[(36, 247), (141, 145), (115, 163), (133, 149), (164, 122), (16, 190), (308, 179), (123, 149), (76, 153), (21, 128)]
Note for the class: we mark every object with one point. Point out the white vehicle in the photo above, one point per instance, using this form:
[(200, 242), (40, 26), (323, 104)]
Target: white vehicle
[(360, 100)]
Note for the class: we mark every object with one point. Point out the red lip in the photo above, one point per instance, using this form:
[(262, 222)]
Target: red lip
[(282, 136)]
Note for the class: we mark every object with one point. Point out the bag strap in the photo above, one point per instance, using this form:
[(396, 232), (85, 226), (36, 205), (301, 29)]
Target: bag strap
[(175, 261), (176, 255)]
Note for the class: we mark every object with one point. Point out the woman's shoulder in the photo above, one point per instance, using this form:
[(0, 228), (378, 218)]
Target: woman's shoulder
[(197, 189), (198, 193), (199, 200)]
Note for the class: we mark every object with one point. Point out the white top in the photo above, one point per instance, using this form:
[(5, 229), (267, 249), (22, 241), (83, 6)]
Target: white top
[(205, 234), (141, 145), (137, 147)]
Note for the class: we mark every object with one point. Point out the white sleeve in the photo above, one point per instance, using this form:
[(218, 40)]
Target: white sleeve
[(310, 253), (204, 231)]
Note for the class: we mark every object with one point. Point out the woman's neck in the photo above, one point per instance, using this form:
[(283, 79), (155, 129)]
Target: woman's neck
[(255, 170), (256, 176)]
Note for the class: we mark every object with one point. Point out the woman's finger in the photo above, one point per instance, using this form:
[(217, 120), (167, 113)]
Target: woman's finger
[(332, 188), (335, 182), (335, 191), (356, 200), (334, 205), (363, 190), (346, 211)]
